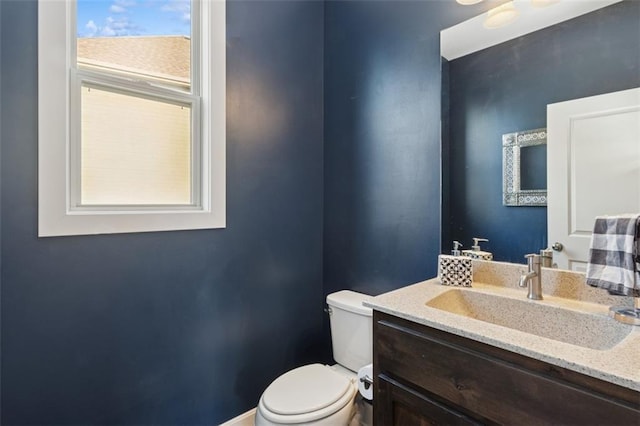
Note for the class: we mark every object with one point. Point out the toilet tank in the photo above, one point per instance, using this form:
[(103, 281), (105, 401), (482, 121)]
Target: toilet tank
[(351, 329)]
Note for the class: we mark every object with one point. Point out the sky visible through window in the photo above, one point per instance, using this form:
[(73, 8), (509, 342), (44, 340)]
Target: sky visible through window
[(112, 18)]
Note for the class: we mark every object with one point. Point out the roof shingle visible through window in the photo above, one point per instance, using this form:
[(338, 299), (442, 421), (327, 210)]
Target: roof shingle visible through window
[(165, 58)]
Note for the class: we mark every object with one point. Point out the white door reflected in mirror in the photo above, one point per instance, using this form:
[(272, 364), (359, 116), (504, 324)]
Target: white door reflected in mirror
[(593, 168)]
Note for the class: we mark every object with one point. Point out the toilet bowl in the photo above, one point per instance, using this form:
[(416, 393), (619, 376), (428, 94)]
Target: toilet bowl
[(317, 394), (314, 394)]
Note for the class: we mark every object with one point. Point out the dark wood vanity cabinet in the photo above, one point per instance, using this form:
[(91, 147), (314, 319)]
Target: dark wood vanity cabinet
[(425, 376)]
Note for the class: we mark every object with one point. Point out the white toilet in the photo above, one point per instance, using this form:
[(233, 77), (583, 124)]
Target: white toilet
[(319, 394)]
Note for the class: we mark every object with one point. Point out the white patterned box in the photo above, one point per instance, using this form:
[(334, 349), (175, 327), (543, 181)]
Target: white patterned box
[(482, 255), (455, 270)]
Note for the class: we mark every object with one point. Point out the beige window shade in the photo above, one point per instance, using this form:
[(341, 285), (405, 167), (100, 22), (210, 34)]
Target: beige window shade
[(134, 150)]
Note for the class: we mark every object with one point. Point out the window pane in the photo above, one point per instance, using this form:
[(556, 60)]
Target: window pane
[(134, 150), (149, 40)]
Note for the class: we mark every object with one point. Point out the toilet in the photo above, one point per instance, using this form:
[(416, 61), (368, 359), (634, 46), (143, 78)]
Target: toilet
[(317, 394)]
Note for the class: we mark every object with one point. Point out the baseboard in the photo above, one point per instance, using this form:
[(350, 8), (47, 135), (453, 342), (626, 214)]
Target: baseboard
[(244, 419)]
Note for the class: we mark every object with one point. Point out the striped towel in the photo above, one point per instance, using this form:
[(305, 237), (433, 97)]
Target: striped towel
[(614, 257)]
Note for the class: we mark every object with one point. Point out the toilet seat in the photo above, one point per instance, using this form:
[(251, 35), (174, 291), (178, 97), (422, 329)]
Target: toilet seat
[(306, 394)]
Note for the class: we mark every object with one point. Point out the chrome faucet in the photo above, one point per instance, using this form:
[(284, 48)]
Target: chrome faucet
[(532, 277)]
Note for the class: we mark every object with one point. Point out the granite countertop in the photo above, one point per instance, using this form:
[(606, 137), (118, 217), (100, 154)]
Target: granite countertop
[(619, 364)]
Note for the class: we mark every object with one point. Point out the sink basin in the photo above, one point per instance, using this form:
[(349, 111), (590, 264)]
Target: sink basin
[(581, 329)]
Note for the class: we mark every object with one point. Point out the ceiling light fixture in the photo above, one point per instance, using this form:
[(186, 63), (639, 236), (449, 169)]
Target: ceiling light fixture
[(468, 2), (543, 3), (501, 16)]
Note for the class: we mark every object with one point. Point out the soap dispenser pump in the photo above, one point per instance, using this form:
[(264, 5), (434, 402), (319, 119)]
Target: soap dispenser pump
[(456, 248), (476, 252)]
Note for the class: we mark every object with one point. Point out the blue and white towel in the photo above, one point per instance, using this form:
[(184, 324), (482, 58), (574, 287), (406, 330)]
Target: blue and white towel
[(614, 256)]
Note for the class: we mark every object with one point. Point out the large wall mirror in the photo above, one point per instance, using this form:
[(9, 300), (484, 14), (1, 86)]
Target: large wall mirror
[(499, 82)]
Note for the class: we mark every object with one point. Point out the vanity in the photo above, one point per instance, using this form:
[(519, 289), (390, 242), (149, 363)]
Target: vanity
[(488, 355)]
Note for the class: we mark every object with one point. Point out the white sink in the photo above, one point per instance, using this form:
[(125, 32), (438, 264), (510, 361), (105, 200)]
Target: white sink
[(588, 330)]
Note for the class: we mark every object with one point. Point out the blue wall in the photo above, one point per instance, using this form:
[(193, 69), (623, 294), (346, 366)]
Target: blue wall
[(171, 327), (189, 327), (382, 141), (506, 88)]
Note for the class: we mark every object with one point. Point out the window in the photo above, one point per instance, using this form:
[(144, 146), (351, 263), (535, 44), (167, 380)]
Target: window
[(131, 116)]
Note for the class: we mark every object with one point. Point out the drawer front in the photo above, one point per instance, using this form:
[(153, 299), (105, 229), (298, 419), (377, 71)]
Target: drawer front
[(494, 389), (398, 404)]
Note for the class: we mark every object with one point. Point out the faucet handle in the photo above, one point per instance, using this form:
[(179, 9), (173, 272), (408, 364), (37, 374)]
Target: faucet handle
[(546, 256), (532, 258)]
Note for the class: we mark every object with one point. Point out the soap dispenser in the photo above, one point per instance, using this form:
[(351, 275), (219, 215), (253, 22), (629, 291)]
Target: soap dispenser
[(476, 252), (454, 269)]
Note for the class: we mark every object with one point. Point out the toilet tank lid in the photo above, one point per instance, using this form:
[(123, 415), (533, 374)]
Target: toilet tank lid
[(350, 301)]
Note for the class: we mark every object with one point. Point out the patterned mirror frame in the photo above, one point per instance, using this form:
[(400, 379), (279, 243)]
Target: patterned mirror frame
[(512, 195)]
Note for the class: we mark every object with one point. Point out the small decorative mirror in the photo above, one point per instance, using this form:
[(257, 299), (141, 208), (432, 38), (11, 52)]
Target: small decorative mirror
[(524, 168)]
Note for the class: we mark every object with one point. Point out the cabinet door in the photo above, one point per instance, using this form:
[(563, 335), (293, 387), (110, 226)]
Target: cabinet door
[(397, 404)]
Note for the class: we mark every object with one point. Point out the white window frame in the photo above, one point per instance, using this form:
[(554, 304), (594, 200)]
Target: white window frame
[(59, 212)]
